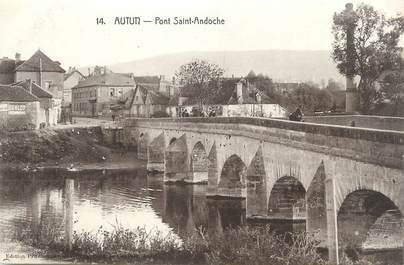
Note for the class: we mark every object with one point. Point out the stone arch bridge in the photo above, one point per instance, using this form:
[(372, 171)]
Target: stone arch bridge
[(330, 176)]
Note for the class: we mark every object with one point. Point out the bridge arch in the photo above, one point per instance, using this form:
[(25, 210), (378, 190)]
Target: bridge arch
[(287, 199), (233, 173), (155, 153), (199, 163), (368, 219)]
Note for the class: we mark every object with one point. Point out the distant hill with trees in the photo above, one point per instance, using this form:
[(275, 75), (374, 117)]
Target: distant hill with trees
[(280, 65)]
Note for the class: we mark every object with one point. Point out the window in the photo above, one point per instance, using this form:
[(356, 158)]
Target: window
[(48, 84), (111, 91)]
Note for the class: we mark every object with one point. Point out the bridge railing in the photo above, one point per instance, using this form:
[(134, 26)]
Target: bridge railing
[(374, 135)]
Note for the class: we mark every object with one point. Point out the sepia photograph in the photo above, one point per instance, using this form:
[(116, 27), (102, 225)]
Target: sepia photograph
[(232, 132)]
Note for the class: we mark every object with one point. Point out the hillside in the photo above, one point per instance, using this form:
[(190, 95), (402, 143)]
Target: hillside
[(281, 65)]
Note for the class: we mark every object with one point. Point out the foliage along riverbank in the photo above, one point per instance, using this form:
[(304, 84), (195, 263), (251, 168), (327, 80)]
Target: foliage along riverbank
[(253, 245)]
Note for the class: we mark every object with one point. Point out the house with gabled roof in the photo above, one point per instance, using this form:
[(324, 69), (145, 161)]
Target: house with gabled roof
[(142, 102), (138, 105), (249, 101), (42, 70)]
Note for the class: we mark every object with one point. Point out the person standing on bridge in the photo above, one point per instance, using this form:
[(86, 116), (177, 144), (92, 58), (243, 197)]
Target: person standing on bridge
[(297, 115)]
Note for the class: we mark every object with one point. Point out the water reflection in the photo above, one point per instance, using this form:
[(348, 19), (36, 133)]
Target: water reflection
[(38, 202)]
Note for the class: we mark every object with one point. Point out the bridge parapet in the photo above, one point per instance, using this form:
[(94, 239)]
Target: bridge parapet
[(381, 147)]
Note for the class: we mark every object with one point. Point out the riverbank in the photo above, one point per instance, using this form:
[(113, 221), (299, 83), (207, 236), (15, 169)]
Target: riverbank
[(77, 148), (254, 245)]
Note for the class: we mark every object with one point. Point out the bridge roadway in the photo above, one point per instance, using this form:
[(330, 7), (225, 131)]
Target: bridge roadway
[(340, 180)]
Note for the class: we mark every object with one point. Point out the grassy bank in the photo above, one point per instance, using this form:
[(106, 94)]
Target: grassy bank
[(234, 246), (50, 147)]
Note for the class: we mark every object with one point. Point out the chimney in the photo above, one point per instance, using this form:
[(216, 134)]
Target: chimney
[(17, 57), (89, 71), (105, 70), (239, 91)]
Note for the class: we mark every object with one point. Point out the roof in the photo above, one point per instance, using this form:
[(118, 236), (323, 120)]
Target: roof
[(127, 98), (148, 79), (157, 98), (143, 92), (108, 79), (174, 100), (71, 73), (39, 61), (16, 94), (36, 89)]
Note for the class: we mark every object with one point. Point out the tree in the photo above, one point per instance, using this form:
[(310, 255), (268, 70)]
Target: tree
[(392, 90), (333, 85), (251, 76), (311, 98), (374, 47), (200, 80)]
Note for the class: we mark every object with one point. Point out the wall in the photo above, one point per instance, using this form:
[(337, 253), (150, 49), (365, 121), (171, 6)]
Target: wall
[(20, 120), (56, 78), (254, 110), (101, 97), (6, 78), (80, 101), (70, 82), (363, 121)]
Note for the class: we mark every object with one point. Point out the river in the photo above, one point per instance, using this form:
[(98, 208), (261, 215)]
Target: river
[(105, 199)]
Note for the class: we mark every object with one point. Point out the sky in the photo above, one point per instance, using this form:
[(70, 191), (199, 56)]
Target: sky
[(66, 30)]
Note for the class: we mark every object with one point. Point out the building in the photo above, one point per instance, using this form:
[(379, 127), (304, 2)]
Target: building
[(49, 107), (94, 96), (143, 102), (48, 74), (158, 84), (137, 107), (71, 79), (156, 104), (19, 109)]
